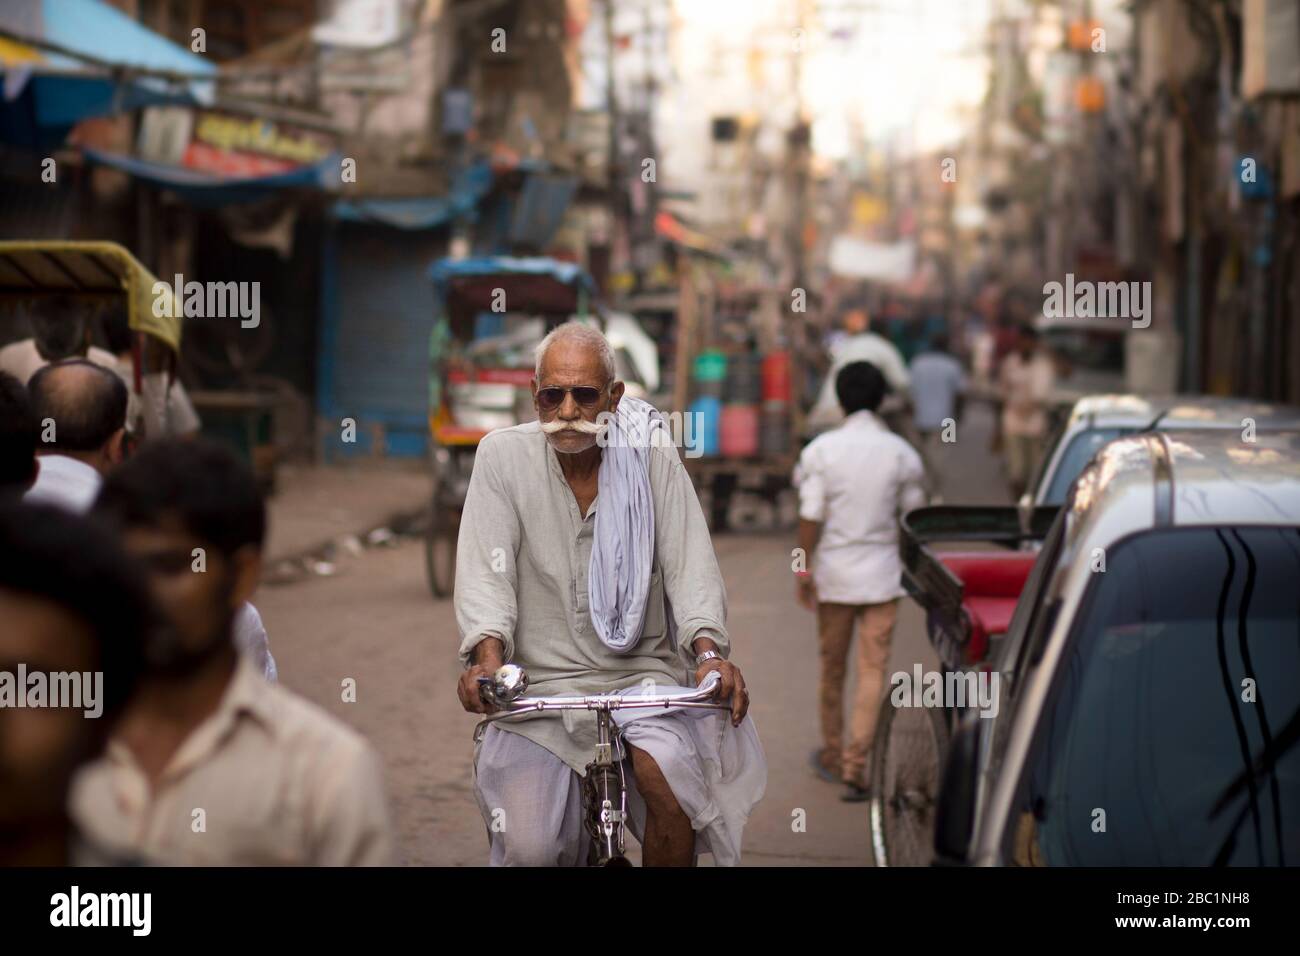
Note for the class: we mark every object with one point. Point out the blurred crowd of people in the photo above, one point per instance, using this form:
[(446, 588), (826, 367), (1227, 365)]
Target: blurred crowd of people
[(140, 567)]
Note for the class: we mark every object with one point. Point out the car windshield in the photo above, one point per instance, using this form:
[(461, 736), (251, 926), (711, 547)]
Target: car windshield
[(1170, 735), (1076, 455), (1091, 349)]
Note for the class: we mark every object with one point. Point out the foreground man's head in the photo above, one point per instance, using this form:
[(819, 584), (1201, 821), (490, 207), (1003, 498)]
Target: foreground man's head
[(71, 605), (191, 513), (574, 383)]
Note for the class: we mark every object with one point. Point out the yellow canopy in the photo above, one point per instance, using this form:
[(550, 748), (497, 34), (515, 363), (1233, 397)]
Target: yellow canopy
[(90, 268)]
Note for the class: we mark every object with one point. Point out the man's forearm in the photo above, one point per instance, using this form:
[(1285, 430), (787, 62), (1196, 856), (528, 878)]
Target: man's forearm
[(489, 651), (808, 535)]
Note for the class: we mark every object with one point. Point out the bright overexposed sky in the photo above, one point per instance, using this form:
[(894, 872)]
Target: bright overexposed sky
[(903, 70)]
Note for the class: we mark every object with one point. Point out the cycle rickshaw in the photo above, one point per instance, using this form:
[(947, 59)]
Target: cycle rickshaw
[(491, 313), (969, 596), (101, 272)]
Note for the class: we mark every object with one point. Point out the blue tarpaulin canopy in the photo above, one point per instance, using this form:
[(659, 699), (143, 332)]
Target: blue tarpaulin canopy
[(445, 271), (205, 189), (468, 188), (44, 91)]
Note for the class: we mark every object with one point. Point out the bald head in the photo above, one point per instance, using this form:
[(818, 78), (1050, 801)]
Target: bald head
[(580, 344), (86, 404)]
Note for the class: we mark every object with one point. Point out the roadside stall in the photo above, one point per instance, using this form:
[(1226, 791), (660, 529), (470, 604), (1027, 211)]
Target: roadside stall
[(738, 375)]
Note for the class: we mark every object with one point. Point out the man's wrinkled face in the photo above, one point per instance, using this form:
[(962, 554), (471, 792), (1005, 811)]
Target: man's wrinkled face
[(571, 426), (41, 747), (195, 588)]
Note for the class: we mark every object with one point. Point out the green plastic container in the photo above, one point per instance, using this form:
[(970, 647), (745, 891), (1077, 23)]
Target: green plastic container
[(710, 366)]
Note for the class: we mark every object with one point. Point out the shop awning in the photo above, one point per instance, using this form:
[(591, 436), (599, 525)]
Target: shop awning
[(429, 212), (205, 189), (62, 61)]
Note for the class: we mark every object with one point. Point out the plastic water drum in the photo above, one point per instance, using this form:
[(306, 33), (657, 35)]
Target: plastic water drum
[(776, 377), (710, 366), (738, 431), (708, 416), (774, 430)]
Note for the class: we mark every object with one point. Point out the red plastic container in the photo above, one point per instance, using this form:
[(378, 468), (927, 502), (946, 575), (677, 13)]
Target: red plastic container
[(738, 430), (776, 377)]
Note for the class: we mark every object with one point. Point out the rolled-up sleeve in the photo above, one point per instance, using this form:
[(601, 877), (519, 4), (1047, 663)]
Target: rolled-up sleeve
[(486, 554), (812, 487), (692, 580)]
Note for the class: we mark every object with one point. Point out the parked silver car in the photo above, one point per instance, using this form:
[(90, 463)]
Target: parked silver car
[(1097, 419), (1150, 705)]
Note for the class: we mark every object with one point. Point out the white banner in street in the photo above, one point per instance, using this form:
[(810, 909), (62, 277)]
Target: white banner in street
[(881, 261)]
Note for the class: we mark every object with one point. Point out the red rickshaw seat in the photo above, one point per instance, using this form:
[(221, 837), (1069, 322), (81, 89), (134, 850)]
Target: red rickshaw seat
[(992, 582)]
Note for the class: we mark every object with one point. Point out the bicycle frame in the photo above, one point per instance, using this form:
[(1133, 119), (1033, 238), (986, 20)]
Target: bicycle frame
[(604, 784)]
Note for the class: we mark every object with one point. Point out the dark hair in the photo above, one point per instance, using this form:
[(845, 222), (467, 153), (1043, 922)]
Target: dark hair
[(86, 408), (68, 560), (17, 434), (939, 341), (199, 482), (117, 329), (59, 324), (858, 386), (1027, 331)]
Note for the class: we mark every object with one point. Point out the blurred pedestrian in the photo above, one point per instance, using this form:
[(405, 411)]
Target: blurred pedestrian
[(1025, 383), (73, 607), (80, 413), (938, 389), (224, 766), (854, 482), (859, 345), (17, 438)]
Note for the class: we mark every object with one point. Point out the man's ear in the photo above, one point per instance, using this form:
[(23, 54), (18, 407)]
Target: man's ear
[(116, 446), (245, 573), (615, 393)]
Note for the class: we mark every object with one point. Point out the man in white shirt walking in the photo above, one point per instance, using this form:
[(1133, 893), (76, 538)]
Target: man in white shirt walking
[(854, 482)]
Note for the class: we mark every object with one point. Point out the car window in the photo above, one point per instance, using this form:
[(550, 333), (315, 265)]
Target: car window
[(1169, 736), (1077, 454)]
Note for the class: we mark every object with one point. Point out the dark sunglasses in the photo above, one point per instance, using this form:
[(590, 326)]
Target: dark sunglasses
[(552, 397)]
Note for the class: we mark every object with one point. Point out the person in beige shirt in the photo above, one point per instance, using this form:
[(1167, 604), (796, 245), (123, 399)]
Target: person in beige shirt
[(1025, 383), (212, 764)]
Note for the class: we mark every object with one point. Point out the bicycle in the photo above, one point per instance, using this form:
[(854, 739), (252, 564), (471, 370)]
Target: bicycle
[(604, 785)]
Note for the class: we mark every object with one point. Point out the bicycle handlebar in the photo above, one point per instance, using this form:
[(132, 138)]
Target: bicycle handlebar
[(697, 699)]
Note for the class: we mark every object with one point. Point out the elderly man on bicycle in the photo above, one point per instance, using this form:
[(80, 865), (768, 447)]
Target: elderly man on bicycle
[(584, 557)]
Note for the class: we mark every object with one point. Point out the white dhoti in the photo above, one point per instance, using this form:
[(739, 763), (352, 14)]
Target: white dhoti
[(531, 800)]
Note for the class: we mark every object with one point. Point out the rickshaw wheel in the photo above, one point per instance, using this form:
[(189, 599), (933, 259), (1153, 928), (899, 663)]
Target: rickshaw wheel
[(906, 761), (440, 548)]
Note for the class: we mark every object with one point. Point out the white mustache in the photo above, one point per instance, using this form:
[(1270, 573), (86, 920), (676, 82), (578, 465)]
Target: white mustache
[(581, 426)]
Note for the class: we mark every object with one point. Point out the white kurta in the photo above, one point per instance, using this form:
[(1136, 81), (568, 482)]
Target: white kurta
[(856, 480)]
